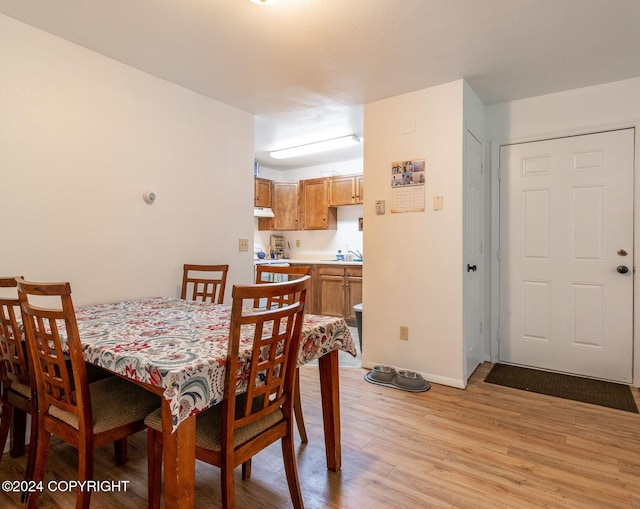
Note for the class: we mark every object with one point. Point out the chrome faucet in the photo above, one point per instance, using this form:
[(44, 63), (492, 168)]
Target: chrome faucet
[(357, 254)]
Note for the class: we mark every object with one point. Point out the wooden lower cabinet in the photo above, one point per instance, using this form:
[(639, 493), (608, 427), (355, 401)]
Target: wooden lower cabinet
[(335, 289), (353, 296)]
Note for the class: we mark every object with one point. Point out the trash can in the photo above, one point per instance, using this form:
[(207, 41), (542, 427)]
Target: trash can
[(358, 309)]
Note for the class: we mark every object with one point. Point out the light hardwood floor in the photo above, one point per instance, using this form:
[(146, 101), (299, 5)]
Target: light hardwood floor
[(483, 447)]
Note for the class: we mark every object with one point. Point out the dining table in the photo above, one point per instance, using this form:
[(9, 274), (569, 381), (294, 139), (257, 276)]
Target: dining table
[(178, 348)]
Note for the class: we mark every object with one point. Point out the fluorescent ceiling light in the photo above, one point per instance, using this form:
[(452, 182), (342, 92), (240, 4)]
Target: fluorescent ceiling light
[(314, 148), (264, 2)]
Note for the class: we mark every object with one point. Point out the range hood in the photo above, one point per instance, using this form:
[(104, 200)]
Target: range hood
[(262, 212)]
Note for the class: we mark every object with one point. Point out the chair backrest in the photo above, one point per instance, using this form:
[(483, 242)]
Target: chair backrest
[(50, 324), (13, 356), (275, 274), (204, 283), (271, 370)]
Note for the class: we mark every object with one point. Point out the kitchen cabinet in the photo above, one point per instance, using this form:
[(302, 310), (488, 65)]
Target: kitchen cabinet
[(346, 190), (315, 213), (284, 206), (262, 192), (338, 288)]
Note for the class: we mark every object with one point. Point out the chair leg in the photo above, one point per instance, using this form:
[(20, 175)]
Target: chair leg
[(85, 472), (154, 462), (42, 453), (297, 408), (291, 471), (246, 470), (18, 432), (120, 451), (228, 486), (31, 455), (5, 424)]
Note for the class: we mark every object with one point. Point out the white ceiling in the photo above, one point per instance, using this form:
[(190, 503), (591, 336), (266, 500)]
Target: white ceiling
[(306, 67)]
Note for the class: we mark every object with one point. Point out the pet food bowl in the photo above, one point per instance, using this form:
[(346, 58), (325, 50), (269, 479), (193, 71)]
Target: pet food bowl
[(383, 373), (409, 379)]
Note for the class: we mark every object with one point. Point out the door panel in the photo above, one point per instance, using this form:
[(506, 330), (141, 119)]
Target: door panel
[(474, 256), (566, 209)]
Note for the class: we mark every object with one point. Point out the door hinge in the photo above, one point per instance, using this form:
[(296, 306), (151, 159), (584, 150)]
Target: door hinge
[(481, 327), (498, 336), (498, 255)]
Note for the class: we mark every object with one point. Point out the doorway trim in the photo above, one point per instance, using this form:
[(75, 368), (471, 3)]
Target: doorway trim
[(495, 230)]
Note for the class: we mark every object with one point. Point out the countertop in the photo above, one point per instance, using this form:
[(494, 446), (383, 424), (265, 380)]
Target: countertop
[(308, 262), (322, 262)]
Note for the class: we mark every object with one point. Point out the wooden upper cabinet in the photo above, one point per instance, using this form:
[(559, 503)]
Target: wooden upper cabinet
[(285, 208), (316, 214), (262, 192), (346, 190), (360, 189)]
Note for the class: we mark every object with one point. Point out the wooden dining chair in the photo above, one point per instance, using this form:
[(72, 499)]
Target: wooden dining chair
[(229, 434), (204, 283), (277, 273), (17, 388), (84, 415), (270, 273)]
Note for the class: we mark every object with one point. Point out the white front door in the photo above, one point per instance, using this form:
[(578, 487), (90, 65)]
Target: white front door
[(566, 254)]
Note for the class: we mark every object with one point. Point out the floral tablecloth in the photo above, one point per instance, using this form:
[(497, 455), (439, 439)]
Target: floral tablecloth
[(181, 346)]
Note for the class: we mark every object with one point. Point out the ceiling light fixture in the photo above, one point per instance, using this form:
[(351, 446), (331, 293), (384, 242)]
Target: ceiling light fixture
[(264, 2), (314, 148)]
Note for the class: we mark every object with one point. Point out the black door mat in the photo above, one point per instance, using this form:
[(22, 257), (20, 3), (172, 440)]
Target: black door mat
[(585, 390)]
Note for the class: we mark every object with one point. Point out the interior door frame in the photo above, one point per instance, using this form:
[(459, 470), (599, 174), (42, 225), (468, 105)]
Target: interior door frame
[(495, 230)]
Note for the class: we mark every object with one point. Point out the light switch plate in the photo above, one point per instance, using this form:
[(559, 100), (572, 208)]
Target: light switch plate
[(380, 207), (437, 202)]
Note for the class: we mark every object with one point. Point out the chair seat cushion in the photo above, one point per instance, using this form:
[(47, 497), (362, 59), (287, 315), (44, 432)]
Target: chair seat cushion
[(114, 402), (209, 423), (23, 390)]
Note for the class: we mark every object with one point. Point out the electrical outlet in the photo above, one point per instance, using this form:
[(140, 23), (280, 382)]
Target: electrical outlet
[(404, 333), (297, 242), (243, 244)]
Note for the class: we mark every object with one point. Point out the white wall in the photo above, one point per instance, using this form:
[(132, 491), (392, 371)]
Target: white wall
[(318, 244), (412, 274), (81, 138), (590, 109)]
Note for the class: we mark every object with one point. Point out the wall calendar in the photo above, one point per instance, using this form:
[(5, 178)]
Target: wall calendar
[(407, 186)]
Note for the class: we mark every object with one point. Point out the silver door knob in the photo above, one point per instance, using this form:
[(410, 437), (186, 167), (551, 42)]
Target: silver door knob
[(622, 269)]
